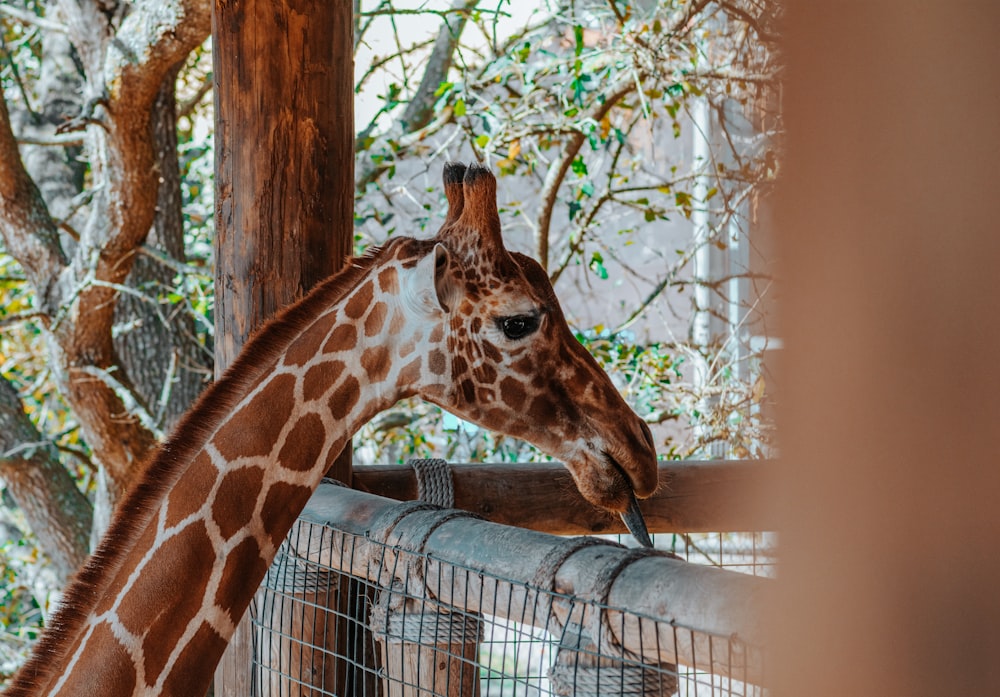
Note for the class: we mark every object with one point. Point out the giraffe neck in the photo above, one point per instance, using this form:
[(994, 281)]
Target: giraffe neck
[(153, 612)]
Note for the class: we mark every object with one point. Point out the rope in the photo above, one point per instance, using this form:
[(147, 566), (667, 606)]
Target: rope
[(434, 481), (433, 628), (294, 575), (585, 664), (606, 681), (545, 575)]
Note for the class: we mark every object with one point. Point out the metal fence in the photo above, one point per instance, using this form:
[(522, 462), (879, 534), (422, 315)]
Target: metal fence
[(370, 597)]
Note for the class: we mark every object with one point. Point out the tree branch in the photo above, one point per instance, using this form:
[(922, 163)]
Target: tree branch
[(54, 508), (416, 121), (29, 233), (421, 107), (557, 171)]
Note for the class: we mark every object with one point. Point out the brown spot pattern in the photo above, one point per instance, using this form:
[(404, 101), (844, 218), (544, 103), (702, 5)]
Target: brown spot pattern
[(492, 352), (486, 374), (343, 338), (191, 673), (306, 346), (407, 348), (200, 478), (281, 508), (319, 378), (376, 362), (267, 411), (397, 322), (525, 366), (360, 300), (542, 409), (512, 393), (410, 373), (236, 499), (387, 280), (117, 674), (376, 319), (178, 603), (304, 444), (344, 399), (244, 567), (436, 362), (468, 390), (117, 585)]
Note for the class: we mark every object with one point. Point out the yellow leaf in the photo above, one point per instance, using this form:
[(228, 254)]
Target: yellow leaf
[(514, 149), (605, 127)]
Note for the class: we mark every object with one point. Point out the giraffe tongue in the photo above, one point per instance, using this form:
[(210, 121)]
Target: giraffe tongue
[(635, 523)]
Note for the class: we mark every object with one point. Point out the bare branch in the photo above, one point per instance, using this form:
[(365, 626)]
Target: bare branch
[(29, 233), (33, 19), (557, 171), (56, 511), (421, 107), (60, 140)]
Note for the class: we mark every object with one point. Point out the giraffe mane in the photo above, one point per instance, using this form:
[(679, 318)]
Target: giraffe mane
[(169, 460)]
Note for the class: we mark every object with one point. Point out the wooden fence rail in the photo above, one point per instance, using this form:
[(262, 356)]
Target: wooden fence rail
[(694, 496), (706, 618)]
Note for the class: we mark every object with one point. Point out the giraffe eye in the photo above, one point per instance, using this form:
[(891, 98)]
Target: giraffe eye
[(518, 326)]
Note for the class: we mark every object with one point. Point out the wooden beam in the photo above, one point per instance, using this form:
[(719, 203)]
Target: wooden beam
[(706, 618), (694, 496)]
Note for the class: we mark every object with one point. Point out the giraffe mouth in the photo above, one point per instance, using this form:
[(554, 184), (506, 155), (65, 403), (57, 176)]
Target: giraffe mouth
[(631, 516)]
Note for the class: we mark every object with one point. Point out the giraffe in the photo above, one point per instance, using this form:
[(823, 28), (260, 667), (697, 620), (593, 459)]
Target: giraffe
[(457, 320)]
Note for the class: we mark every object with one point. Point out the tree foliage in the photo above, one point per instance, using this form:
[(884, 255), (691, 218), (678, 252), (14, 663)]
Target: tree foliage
[(635, 143)]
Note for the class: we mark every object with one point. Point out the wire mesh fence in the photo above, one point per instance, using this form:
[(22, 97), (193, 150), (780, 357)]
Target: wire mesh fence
[(398, 599)]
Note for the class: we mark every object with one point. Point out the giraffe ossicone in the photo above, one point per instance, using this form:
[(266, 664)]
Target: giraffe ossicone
[(457, 320)]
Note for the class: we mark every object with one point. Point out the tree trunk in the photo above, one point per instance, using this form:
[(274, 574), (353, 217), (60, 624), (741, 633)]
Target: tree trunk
[(157, 344)]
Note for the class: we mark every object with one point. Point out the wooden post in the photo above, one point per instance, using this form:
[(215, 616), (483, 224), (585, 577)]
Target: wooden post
[(425, 649), (295, 628), (284, 177)]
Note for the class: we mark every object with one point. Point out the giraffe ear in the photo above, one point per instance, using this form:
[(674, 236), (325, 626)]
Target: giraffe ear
[(431, 287), (445, 286)]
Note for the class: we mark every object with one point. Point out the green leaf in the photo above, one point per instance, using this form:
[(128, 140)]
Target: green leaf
[(482, 140), (597, 266), (460, 107), (579, 166), (442, 88), (578, 35)]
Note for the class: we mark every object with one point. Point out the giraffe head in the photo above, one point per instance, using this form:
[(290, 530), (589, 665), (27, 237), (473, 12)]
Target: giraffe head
[(504, 357)]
